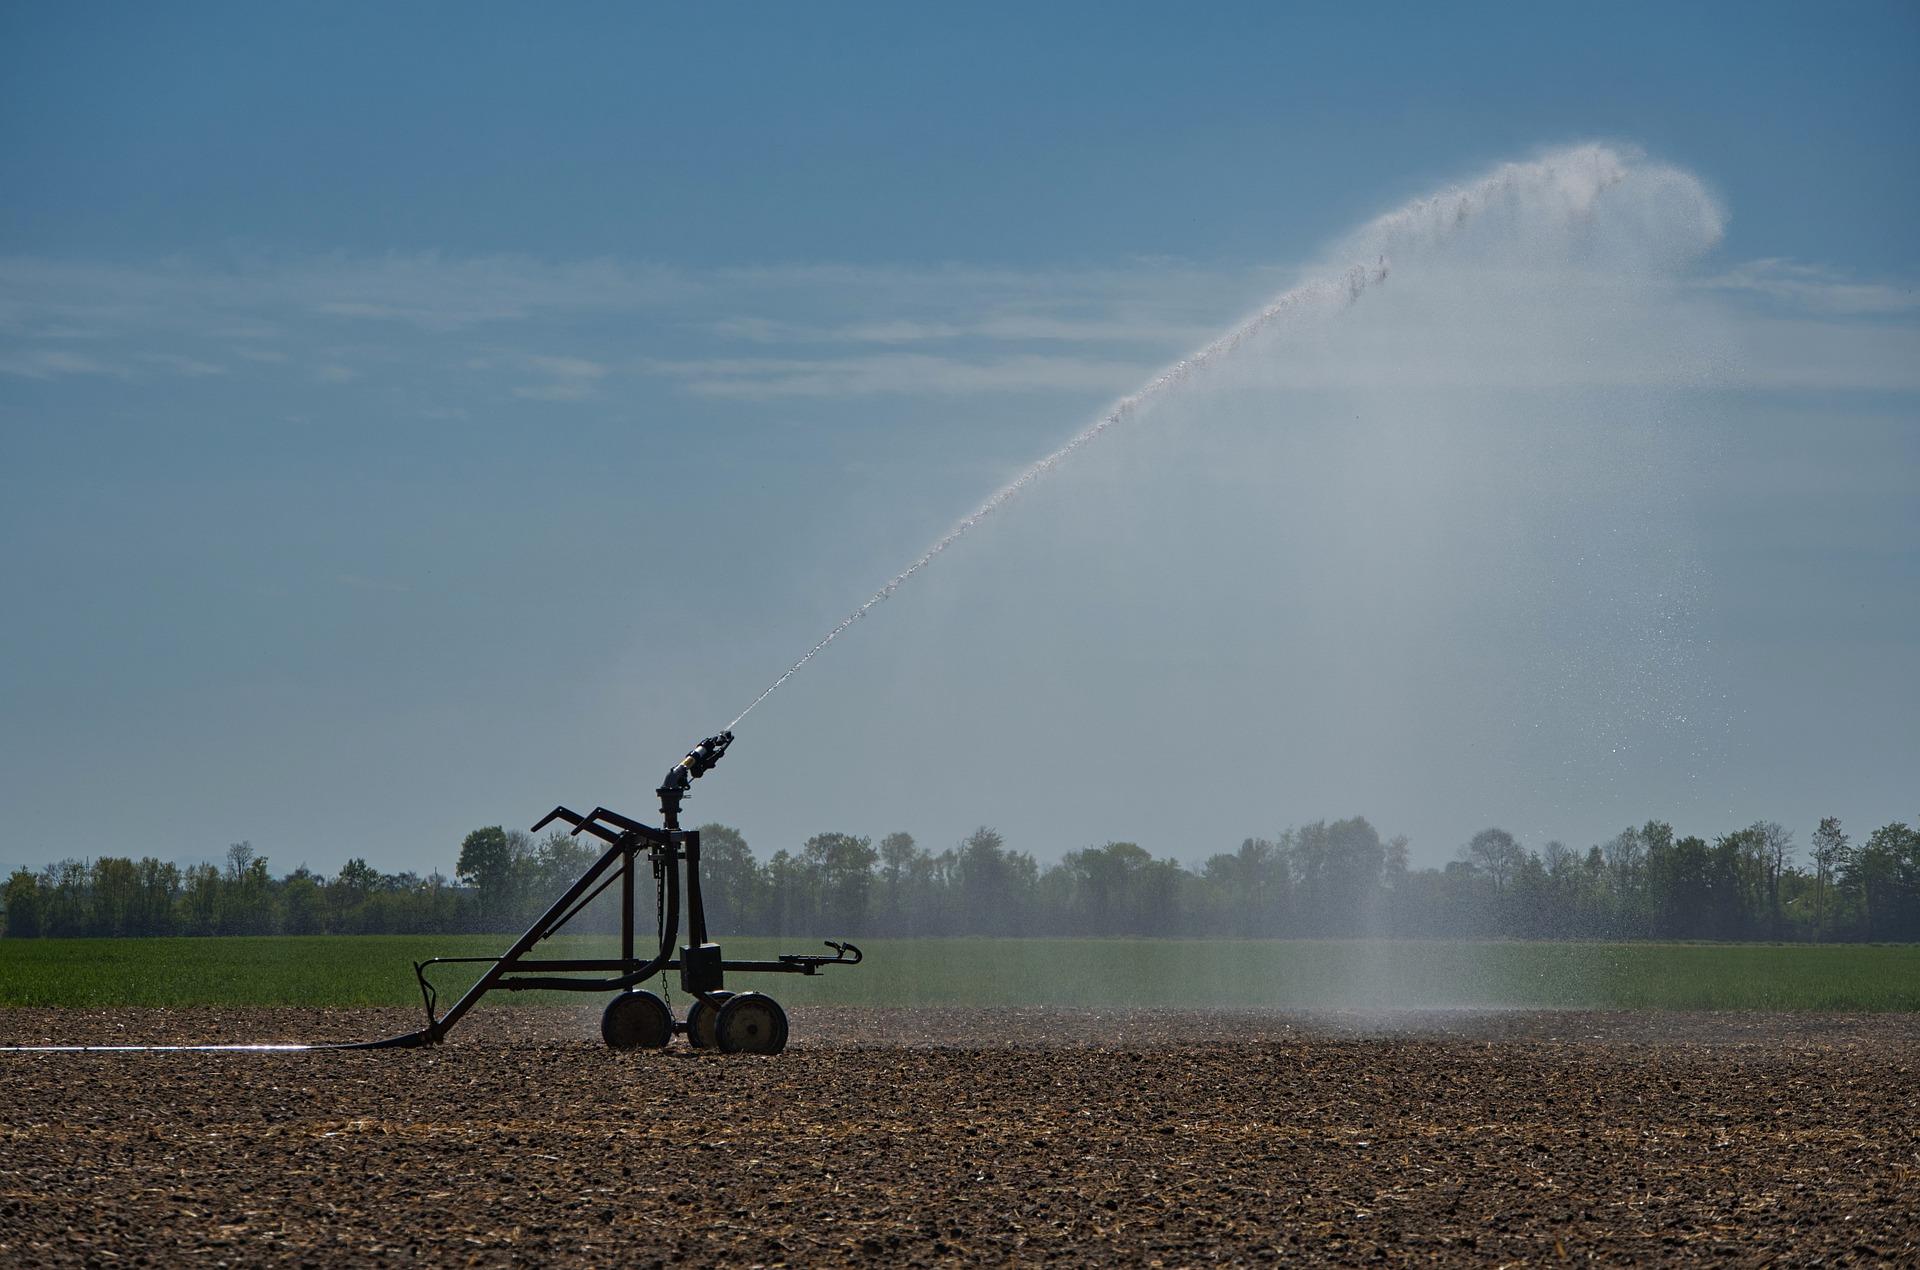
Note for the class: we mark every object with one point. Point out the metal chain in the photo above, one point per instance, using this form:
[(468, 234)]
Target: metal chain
[(660, 920)]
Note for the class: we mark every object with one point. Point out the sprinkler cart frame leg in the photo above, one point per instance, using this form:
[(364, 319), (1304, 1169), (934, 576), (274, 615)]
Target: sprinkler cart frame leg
[(668, 850)]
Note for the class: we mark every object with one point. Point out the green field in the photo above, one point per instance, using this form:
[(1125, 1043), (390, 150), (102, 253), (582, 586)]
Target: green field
[(1294, 974)]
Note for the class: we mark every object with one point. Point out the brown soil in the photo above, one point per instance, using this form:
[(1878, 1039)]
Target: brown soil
[(890, 1137)]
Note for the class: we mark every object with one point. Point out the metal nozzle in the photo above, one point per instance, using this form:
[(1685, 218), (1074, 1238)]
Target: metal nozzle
[(704, 755), (681, 775)]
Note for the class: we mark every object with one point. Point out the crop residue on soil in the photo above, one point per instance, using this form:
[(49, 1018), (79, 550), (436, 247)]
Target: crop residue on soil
[(898, 1136)]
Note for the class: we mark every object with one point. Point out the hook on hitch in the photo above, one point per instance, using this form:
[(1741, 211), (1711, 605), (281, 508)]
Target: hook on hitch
[(811, 963)]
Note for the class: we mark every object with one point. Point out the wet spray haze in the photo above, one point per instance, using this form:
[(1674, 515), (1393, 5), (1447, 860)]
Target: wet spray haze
[(1409, 543), (1565, 186)]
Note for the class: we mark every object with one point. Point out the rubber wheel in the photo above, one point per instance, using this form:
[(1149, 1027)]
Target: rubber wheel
[(636, 1021), (700, 1021), (751, 1024)]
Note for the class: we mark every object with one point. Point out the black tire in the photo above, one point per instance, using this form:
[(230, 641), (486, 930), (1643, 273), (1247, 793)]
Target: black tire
[(636, 1021), (751, 1024), (700, 1020)]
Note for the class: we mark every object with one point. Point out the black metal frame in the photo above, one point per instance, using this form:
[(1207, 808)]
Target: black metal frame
[(668, 850)]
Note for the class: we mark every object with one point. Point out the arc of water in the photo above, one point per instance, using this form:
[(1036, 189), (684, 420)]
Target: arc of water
[(1344, 290), (1576, 177)]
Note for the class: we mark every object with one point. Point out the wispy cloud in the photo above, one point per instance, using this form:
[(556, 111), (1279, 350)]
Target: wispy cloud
[(1814, 289), (971, 330), (191, 367), (562, 378), (1010, 328), (48, 363), (41, 297), (900, 373), (567, 367), (455, 332)]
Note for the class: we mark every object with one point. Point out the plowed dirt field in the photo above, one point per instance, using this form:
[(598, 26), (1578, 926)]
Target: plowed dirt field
[(900, 1137)]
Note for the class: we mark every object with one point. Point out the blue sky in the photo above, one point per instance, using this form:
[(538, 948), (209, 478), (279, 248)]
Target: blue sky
[(413, 417)]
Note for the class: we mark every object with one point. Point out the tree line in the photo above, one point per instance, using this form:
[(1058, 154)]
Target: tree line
[(1328, 879)]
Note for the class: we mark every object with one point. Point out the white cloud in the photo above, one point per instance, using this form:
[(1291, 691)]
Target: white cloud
[(429, 292), (570, 378), (1813, 289), (191, 367), (47, 363), (1017, 327), (901, 373), (561, 390), (74, 333), (858, 332), (438, 294), (574, 368)]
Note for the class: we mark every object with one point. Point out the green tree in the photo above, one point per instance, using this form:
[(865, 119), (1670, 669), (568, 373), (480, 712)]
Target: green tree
[(1773, 844), (1250, 887), (906, 886), (303, 903), (547, 868), (357, 879), (486, 860), (992, 884), (1106, 890), (842, 869), (1831, 857), (440, 908), (1337, 869), (199, 905), (68, 888), (733, 883), (1737, 884), (26, 907), (246, 905), (1885, 874), (1679, 885), (1625, 856), (159, 889), (347, 898), (1495, 856), (1525, 910), (116, 897), (791, 906)]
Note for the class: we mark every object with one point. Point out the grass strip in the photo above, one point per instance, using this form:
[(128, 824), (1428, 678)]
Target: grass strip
[(1281, 974)]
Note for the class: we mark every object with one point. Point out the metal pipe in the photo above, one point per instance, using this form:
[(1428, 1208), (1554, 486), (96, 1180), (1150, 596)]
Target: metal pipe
[(626, 907), (696, 906), (535, 933)]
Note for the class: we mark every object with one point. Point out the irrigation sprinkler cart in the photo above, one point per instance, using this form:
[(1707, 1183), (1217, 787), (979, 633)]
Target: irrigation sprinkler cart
[(746, 1022)]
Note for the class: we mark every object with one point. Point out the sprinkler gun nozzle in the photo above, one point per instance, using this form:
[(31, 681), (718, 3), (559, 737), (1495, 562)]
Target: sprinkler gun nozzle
[(706, 754), (681, 775)]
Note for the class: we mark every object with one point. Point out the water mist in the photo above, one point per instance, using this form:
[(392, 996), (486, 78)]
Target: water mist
[(1409, 544), (1570, 183)]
